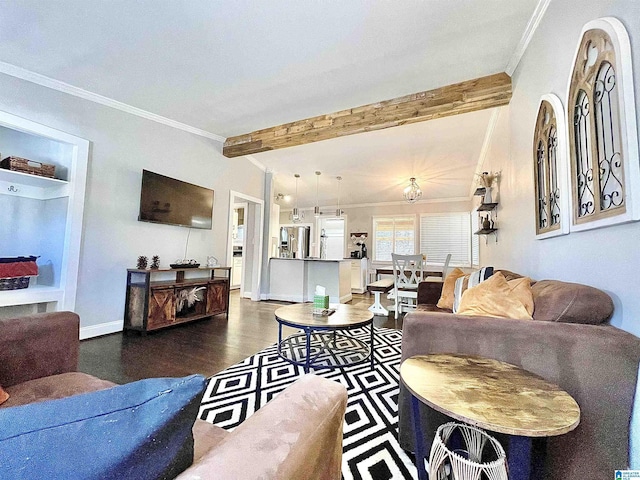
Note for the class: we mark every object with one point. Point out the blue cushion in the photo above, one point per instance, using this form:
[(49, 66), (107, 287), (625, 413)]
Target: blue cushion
[(140, 430)]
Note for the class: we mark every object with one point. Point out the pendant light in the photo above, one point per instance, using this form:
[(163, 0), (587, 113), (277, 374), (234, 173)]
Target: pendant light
[(316, 209), (338, 210), (296, 216), (412, 193)]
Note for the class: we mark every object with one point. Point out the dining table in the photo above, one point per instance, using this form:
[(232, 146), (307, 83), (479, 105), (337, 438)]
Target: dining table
[(389, 271)]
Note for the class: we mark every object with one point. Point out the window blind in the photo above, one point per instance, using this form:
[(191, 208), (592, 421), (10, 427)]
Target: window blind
[(441, 234), (393, 235)]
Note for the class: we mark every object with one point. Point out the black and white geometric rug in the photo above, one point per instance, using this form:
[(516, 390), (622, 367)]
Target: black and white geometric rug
[(370, 445)]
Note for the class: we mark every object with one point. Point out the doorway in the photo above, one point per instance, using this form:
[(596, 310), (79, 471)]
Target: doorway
[(238, 243), (333, 228), (244, 239)]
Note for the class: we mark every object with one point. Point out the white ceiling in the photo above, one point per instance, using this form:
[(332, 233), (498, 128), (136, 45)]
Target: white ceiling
[(376, 166), (232, 66)]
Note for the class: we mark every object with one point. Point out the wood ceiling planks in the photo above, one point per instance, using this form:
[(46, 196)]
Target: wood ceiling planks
[(471, 95)]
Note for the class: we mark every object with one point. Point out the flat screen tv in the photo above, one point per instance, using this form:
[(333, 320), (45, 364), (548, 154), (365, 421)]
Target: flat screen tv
[(174, 202)]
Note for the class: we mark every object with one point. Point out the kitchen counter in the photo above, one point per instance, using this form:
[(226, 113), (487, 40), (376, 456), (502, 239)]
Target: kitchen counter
[(295, 279)]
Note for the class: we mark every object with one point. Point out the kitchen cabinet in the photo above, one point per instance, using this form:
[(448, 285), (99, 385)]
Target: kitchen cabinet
[(359, 275)]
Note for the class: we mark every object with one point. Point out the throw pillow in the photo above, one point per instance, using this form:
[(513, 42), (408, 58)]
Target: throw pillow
[(4, 396), (496, 298), (521, 289), (469, 281), (446, 297), (139, 430)]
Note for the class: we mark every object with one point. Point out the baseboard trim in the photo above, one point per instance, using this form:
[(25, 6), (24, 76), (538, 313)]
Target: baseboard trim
[(101, 329), (287, 298), (346, 298)]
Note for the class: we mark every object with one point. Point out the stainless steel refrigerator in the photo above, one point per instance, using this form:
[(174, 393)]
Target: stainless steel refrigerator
[(294, 242)]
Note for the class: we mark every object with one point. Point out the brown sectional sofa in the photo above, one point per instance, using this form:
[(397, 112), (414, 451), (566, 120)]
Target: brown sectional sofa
[(296, 435), (569, 342)]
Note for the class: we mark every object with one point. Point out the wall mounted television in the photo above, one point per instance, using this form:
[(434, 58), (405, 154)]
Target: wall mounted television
[(174, 202)]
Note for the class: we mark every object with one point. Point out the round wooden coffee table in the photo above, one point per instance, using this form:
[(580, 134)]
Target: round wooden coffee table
[(323, 342), (493, 395)]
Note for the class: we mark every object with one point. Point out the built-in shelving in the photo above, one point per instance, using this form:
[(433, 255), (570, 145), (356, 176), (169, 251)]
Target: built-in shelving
[(31, 295), (32, 186), (52, 229)]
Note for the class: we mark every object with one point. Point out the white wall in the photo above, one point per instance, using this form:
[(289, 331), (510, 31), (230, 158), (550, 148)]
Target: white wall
[(608, 258), (121, 146), (360, 219)]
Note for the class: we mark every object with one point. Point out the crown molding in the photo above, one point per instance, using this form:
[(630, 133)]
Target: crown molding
[(258, 163), (527, 35), (42, 80)]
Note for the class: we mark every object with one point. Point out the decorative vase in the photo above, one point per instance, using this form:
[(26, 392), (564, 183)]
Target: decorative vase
[(487, 195), (486, 224)]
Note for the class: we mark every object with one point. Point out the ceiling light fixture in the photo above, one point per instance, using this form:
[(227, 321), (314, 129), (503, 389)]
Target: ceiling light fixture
[(412, 192), (339, 212), (296, 216), (316, 209)]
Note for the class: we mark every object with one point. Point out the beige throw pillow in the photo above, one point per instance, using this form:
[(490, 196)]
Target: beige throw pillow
[(495, 297), (521, 289), (446, 297), (4, 396)]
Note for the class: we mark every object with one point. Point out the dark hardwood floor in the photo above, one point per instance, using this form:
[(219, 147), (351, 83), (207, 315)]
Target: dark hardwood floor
[(206, 346)]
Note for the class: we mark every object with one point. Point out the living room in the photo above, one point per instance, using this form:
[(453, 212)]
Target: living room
[(44, 84)]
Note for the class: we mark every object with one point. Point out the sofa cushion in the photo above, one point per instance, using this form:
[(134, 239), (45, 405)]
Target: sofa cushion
[(446, 297), (557, 301), (138, 430), (495, 297), (469, 281), (206, 436), (54, 387)]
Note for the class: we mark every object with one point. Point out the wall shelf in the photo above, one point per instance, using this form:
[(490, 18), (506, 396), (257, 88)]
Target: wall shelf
[(32, 186), (486, 207)]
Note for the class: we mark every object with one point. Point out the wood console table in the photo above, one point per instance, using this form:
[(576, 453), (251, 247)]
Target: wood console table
[(152, 305)]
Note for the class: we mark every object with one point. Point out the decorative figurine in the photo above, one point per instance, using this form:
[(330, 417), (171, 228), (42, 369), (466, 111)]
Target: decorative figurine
[(142, 262), (486, 224), (155, 262)]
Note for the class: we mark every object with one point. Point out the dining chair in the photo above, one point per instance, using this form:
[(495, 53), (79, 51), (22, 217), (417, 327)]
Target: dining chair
[(407, 273), (437, 276), (445, 267)]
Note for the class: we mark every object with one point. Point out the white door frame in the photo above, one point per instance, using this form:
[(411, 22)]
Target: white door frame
[(254, 243), (346, 244)]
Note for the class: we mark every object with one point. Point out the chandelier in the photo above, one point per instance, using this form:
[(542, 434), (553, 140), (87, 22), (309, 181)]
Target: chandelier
[(412, 192)]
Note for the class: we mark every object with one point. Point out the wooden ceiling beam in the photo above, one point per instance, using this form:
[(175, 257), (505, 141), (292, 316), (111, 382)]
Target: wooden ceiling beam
[(478, 94)]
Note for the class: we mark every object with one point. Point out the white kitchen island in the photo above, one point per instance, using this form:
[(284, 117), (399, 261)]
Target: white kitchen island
[(295, 279)]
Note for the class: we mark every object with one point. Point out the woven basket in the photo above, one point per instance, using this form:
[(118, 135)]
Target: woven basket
[(481, 456), (24, 165), (13, 283)]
